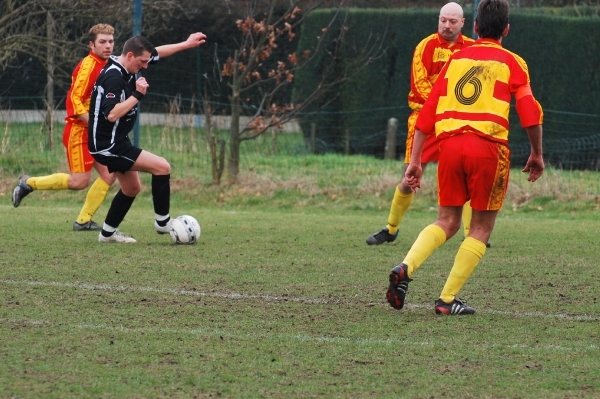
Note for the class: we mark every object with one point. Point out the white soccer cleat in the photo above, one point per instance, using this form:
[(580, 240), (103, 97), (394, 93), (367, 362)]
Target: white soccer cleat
[(163, 229), (116, 237)]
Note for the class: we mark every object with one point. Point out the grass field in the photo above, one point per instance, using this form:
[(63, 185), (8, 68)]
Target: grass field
[(281, 304), (282, 298)]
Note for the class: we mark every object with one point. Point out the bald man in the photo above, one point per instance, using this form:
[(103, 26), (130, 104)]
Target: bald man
[(429, 58)]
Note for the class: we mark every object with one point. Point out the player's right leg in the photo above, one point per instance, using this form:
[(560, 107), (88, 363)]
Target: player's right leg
[(403, 195), (130, 187), (400, 203), (430, 238)]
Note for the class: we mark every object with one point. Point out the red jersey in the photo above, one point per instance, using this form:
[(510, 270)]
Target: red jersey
[(430, 56), (473, 94), (82, 82)]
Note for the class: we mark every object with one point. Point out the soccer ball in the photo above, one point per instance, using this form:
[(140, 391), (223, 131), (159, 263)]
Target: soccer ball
[(185, 230)]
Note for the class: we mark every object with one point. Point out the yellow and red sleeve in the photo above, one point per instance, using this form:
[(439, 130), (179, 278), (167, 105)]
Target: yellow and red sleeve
[(82, 82)]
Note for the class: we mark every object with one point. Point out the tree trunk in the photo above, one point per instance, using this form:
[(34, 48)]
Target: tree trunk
[(49, 119), (233, 161)]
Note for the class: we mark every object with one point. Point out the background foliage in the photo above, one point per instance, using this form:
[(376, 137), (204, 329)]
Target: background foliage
[(560, 45), (564, 77)]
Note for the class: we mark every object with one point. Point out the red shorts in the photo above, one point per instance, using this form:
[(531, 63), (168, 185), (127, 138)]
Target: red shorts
[(75, 140), (431, 151), (472, 167)]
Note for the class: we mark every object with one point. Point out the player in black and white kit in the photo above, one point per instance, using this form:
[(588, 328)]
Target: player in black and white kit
[(113, 112)]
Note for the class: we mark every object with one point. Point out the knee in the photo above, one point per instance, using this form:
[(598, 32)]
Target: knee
[(109, 179), (163, 167), (450, 226), (131, 190), (78, 183)]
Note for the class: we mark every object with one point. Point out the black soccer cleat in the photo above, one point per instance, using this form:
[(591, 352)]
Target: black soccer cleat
[(381, 237), (21, 190), (398, 286), (89, 226), (457, 307)]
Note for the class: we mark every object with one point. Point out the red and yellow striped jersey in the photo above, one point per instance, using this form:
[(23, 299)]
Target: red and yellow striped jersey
[(430, 56), (82, 82), (473, 94)]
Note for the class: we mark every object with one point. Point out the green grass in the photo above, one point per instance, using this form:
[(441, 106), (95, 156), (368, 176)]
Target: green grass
[(274, 303), (282, 298)]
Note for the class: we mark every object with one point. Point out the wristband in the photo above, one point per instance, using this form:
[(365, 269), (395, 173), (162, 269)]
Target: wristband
[(137, 95)]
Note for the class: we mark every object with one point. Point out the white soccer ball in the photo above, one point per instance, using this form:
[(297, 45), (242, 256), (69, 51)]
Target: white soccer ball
[(185, 230)]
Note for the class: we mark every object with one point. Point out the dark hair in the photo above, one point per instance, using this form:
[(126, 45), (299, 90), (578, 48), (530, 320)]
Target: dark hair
[(492, 18), (137, 45)]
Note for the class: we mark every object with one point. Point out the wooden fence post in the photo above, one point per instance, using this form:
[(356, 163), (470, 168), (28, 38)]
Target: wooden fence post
[(347, 142), (313, 137), (390, 141)]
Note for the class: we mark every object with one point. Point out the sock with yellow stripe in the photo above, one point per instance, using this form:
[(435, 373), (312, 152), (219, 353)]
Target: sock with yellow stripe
[(467, 215), (400, 205), (94, 198), (469, 254), (430, 238), (57, 181)]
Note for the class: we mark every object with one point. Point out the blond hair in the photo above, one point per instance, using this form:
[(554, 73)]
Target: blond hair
[(104, 29)]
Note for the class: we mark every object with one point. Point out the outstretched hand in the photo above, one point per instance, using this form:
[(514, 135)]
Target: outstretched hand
[(196, 39), (535, 167)]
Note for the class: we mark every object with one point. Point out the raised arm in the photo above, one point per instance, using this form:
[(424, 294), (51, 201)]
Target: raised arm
[(195, 40)]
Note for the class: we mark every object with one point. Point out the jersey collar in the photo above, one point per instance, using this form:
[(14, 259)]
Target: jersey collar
[(488, 40), (95, 57)]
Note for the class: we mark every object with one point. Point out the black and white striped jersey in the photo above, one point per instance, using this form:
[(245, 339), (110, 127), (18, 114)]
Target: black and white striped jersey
[(114, 85)]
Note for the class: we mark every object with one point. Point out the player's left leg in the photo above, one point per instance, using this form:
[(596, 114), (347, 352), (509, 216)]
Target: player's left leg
[(161, 187), (94, 199)]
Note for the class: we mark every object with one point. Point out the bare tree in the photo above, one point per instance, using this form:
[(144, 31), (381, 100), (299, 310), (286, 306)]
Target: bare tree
[(23, 30), (54, 33), (252, 67)]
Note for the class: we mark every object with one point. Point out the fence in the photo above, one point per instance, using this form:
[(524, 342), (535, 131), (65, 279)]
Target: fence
[(572, 140)]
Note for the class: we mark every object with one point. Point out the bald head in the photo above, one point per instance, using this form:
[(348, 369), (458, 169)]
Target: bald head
[(451, 21), (452, 9)]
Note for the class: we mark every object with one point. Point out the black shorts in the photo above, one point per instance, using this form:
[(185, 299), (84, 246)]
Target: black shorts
[(120, 157)]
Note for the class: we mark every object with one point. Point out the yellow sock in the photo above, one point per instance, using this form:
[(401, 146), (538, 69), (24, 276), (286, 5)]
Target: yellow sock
[(467, 215), (57, 181), (400, 205), (94, 198), (469, 254), (429, 240)]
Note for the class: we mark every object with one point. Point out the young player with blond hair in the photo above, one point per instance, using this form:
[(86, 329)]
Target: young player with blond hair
[(81, 163)]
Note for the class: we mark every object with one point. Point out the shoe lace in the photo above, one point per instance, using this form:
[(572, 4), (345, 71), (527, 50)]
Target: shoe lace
[(381, 234)]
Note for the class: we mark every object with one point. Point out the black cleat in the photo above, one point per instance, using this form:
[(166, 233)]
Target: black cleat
[(398, 286), (89, 226), (21, 190), (381, 237), (458, 307)]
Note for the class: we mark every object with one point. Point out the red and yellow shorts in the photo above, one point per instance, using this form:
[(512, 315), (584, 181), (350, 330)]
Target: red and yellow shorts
[(75, 140), (472, 167), (431, 151)]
